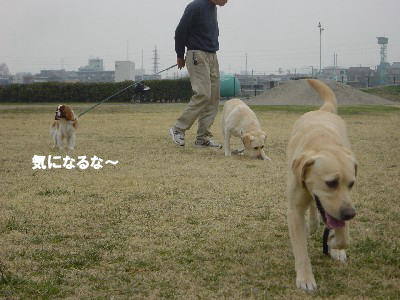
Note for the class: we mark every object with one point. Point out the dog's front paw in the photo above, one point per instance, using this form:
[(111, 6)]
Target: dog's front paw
[(306, 282), (339, 255)]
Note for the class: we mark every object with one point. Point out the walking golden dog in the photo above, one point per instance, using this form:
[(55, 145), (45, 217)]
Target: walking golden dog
[(322, 171)]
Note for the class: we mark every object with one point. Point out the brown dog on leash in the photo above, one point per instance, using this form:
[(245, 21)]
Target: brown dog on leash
[(64, 127)]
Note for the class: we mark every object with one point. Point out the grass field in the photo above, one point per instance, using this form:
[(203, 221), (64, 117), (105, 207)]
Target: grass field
[(389, 92), (183, 223)]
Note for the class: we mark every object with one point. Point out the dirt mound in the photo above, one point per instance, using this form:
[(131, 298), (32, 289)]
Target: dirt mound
[(299, 92)]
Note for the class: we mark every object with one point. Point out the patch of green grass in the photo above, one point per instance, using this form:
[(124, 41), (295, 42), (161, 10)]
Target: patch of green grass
[(388, 92), (283, 108), (379, 251), (372, 109), (16, 287), (342, 110), (81, 260), (14, 223), (53, 192)]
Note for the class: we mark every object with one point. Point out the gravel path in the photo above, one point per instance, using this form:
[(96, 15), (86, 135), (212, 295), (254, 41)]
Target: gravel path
[(299, 92)]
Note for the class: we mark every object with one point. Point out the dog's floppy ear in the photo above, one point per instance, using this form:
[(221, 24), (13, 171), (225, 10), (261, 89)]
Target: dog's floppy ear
[(246, 139), (350, 155), (355, 162), (301, 164), (69, 114), (355, 168), (265, 137)]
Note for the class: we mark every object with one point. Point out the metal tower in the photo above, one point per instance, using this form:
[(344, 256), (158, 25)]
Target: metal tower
[(383, 66), (383, 41), (155, 60)]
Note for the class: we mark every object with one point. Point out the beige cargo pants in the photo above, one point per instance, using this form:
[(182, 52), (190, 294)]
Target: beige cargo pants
[(203, 70)]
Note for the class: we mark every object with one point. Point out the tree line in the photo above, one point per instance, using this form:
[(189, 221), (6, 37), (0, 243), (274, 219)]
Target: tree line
[(160, 91)]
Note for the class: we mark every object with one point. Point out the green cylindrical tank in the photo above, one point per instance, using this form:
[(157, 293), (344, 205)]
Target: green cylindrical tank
[(230, 86)]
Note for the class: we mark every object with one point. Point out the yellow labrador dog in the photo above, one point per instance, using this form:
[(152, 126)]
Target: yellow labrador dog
[(240, 121), (322, 171)]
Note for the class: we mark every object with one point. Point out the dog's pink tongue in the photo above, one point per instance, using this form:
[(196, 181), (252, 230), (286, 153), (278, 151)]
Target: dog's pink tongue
[(333, 223)]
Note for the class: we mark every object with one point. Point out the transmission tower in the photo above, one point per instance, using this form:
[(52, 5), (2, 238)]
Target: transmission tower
[(155, 60), (383, 41)]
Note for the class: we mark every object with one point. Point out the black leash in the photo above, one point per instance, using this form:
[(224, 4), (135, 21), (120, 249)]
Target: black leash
[(105, 100), (325, 247), (139, 87)]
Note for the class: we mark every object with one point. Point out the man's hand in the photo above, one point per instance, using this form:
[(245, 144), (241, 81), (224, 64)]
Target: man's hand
[(181, 63)]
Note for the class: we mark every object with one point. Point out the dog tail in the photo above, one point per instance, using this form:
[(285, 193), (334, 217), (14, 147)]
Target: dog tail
[(325, 92)]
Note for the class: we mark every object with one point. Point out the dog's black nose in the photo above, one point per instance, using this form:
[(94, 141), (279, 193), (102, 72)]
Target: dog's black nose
[(347, 213)]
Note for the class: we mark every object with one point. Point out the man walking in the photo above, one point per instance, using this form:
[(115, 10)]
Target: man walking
[(198, 31)]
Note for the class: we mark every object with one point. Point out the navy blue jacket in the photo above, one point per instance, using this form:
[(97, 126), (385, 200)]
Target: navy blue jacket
[(198, 28)]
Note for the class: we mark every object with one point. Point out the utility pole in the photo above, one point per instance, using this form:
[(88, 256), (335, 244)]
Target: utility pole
[(312, 71), (127, 50), (246, 65), (142, 66), (320, 46), (336, 68), (334, 65)]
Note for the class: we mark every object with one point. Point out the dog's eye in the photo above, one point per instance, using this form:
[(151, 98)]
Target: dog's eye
[(351, 184), (262, 147), (255, 148), (333, 183)]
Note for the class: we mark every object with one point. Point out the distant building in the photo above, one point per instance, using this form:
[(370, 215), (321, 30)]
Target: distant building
[(23, 78), (51, 75), (360, 77), (96, 76), (139, 74), (256, 82), (393, 73), (124, 70), (94, 65), (69, 76), (4, 70), (149, 77), (334, 73), (4, 80), (5, 76), (94, 72)]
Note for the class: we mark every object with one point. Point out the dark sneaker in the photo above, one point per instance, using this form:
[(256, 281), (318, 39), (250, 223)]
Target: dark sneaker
[(177, 136), (207, 143)]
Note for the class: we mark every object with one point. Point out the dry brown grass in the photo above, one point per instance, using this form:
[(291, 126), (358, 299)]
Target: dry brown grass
[(168, 222)]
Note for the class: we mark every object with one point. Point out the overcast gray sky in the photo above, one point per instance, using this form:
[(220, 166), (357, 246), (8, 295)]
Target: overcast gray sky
[(51, 34)]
